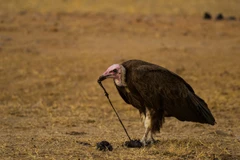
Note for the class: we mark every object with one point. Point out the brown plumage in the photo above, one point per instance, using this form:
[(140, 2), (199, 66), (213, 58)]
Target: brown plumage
[(157, 93)]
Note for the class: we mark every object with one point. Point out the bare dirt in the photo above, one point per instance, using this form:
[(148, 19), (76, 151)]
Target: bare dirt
[(51, 106)]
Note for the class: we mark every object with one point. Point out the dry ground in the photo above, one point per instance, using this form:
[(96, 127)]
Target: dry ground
[(51, 106)]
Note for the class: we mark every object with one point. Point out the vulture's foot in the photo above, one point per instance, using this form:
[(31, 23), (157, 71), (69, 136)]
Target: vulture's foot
[(149, 141)]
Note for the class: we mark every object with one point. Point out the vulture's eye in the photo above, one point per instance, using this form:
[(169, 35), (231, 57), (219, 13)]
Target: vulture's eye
[(115, 70)]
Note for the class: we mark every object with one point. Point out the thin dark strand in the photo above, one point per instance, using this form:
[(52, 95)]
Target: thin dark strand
[(107, 95)]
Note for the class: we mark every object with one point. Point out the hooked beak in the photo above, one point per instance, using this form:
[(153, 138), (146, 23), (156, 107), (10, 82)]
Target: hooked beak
[(101, 78)]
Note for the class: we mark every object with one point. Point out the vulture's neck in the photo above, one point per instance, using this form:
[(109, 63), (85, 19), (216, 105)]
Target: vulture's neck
[(121, 79)]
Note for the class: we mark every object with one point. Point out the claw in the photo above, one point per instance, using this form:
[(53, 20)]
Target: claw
[(149, 141)]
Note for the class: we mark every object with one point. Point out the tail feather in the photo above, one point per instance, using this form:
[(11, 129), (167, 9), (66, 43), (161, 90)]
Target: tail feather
[(202, 109), (192, 108)]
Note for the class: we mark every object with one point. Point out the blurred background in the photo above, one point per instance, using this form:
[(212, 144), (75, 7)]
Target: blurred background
[(167, 7)]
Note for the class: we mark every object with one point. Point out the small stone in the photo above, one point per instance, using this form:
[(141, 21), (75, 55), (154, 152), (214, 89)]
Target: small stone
[(207, 16), (231, 18), (104, 146), (133, 144), (219, 17)]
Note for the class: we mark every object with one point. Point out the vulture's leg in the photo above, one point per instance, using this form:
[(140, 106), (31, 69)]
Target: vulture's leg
[(150, 139), (143, 116), (147, 124)]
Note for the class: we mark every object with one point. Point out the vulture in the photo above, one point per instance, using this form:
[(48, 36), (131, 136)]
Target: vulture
[(157, 93)]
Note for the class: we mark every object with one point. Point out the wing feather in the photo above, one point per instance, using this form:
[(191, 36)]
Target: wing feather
[(164, 90)]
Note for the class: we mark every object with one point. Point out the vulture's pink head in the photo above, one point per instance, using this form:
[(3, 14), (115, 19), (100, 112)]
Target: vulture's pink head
[(115, 71)]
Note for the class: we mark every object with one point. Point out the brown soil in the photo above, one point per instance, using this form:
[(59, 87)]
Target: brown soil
[(51, 106)]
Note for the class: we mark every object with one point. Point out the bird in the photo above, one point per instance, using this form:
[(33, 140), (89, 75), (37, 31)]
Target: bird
[(157, 93), (207, 16)]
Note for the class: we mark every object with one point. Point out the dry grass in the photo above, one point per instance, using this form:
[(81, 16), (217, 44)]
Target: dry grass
[(51, 106)]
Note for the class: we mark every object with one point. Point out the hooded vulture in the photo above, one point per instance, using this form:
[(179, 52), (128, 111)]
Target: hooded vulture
[(157, 93)]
